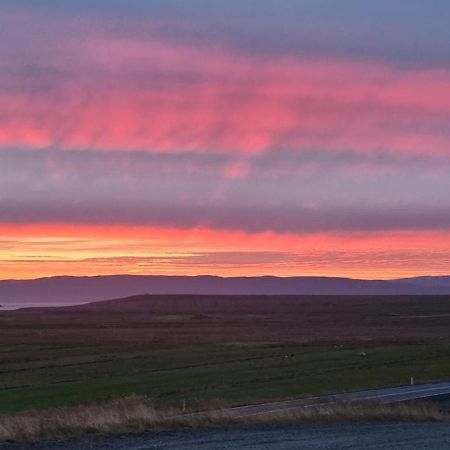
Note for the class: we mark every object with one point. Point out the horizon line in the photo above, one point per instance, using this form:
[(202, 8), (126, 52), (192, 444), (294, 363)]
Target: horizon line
[(224, 277)]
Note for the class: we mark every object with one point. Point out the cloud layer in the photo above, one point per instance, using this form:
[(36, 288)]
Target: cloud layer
[(82, 85), (298, 119)]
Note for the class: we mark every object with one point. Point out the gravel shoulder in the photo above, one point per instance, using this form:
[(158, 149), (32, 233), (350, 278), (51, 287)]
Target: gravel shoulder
[(369, 436)]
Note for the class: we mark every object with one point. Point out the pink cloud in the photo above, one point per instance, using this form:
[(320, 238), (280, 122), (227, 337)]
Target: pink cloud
[(158, 96)]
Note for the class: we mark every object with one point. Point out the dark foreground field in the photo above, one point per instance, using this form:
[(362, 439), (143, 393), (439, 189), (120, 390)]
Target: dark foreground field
[(185, 350), (168, 320)]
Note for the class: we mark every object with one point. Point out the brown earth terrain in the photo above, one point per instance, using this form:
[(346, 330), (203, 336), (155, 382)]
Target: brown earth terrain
[(178, 319)]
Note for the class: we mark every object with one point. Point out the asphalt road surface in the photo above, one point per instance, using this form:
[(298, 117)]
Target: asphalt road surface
[(388, 395), (374, 436)]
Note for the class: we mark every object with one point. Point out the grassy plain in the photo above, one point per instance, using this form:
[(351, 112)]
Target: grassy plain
[(47, 376), (241, 351)]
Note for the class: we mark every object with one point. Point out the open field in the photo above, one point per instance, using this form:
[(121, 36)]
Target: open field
[(52, 376), (241, 349), (181, 320)]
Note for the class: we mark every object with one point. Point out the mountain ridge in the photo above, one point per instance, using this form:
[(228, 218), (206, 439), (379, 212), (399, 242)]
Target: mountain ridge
[(71, 290)]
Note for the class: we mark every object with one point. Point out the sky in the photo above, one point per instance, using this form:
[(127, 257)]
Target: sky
[(250, 137)]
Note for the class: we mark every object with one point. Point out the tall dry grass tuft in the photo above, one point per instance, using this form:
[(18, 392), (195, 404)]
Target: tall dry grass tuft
[(120, 415), (134, 414), (363, 411)]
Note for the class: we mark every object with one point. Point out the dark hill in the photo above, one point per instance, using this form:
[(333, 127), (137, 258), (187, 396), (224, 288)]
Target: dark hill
[(75, 290)]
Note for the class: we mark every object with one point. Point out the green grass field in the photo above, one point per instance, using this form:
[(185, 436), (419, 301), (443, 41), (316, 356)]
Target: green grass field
[(46, 376)]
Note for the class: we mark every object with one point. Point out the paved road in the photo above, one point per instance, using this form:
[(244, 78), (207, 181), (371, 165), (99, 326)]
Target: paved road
[(388, 395), (377, 436)]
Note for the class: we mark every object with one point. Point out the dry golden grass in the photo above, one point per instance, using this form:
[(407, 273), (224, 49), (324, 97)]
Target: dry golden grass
[(134, 414)]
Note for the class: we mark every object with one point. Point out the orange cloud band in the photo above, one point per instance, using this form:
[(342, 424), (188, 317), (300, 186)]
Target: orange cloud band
[(35, 251)]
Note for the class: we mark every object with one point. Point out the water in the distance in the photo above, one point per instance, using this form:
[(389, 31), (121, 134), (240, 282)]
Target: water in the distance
[(11, 306)]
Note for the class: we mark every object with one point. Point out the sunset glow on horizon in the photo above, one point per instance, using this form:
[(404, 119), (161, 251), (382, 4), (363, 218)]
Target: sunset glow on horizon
[(224, 138)]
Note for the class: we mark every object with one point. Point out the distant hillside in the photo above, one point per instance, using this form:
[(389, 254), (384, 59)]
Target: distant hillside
[(75, 290)]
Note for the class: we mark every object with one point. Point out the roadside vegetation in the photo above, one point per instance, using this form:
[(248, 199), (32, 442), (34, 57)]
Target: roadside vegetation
[(137, 414)]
